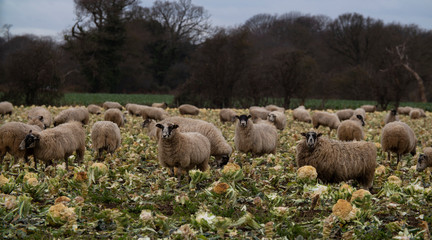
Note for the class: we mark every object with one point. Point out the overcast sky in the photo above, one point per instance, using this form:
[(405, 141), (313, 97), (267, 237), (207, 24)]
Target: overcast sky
[(51, 17)]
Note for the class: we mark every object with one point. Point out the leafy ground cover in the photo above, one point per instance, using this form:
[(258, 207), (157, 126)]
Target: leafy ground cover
[(129, 196)]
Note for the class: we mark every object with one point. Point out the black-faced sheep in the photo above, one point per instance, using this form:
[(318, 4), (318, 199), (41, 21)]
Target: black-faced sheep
[(227, 115), (345, 114), (273, 108), (6, 108), (301, 114), (163, 105), (425, 159), (188, 109), (153, 113), (404, 110), (134, 109), (258, 113), (220, 149), (183, 150), (116, 116), (391, 116), (351, 129), (369, 108), (360, 111), (278, 119), (38, 112), (151, 129), (108, 105), (337, 161), (325, 119), (56, 143), (106, 136), (79, 114), (255, 138), (94, 109), (399, 138)]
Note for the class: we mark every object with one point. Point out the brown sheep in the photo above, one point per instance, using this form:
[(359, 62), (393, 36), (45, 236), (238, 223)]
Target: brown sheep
[(391, 117), (425, 159), (109, 105), (399, 138), (187, 109), (42, 114), (106, 136), (351, 129), (116, 116), (227, 115), (301, 114)]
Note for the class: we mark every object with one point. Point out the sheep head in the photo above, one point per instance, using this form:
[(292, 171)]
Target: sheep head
[(360, 117), (167, 129), (243, 120), (422, 162), (271, 117), (311, 139), (29, 141)]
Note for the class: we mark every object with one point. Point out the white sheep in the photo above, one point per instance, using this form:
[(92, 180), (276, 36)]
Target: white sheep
[(351, 129), (183, 150), (79, 114), (163, 105), (273, 108), (360, 111), (256, 138), (6, 108), (38, 112), (391, 117), (278, 119), (425, 159), (417, 113), (399, 138), (301, 114), (369, 108), (108, 105), (153, 113), (134, 109), (330, 120), (227, 115), (404, 110), (94, 109), (116, 116), (105, 135), (258, 113), (345, 114), (188, 109)]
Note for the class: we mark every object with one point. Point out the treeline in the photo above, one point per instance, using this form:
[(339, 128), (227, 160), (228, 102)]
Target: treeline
[(119, 46)]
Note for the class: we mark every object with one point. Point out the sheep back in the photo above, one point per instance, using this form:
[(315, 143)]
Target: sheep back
[(399, 138), (94, 109), (79, 114), (108, 105), (38, 112), (325, 119), (153, 113), (345, 114), (134, 109), (273, 108), (188, 109), (227, 115), (258, 112), (301, 114), (105, 135), (163, 105), (369, 108), (114, 115), (6, 108), (404, 110)]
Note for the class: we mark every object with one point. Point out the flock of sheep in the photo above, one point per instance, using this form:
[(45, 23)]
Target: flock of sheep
[(186, 143)]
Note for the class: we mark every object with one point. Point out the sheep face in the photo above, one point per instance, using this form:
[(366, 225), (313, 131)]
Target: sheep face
[(29, 141), (243, 120), (271, 117), (146, 123), (360, 117), (422, 163), (394, 112), (168, 130), (311, 139)]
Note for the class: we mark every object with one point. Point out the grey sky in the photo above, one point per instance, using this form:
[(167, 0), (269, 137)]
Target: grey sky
[(51, 17)]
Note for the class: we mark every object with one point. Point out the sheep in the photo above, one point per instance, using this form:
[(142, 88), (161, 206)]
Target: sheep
[(220, 149), (278, 119), (134, 109), (152, 130), (391, 116), (258, 112), (351, 129), (94, 109), (404, 110), (325, 119), (56, 143), (188, 109), (273, 108), (116, 116), (256, 138), (425, 159), (38, 112), (105, 135), (227, 115), (337, 161), (301, 114), (108, 105), (360, 111), (417, 113), (79, 114), (11, 135), (183, 150), (369, 108), (6, 108), (399, 138), (153, 113), (163, 105), (345, 114)]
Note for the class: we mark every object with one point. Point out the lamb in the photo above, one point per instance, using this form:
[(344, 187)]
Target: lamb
[(220, 149), (273, 108), (163, 105), (79, 114), (152, 130), (116, 116), (256, 138), (109, 105), (227, 115), (188, 109), (360, 111), (106, 136), (345, 114), (391, 116), (183, 150), (337, 161), (369, 108), (56, 143), (278, 119), (134, 109), (351, 129), (425, 159), (404, 110), (399, 138), (94, 109), (6, 108), (153, 113), (325, 119), (42, 114), (258, 112), (301, 114)]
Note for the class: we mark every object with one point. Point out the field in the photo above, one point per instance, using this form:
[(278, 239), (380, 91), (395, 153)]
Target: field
[(254, 198)]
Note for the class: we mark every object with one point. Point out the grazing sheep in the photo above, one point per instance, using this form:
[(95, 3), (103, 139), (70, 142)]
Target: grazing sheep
[(360, 111), (94, 109), (399, 138), (37, 121), (163, 105), (330, 120), (134, 109), (79, 114), (11, 135), (391, 116), (256, 138), (404, 110), (351, 129), (116, 116), (6, 108), (301, 114), (414, 114), (258, 112), (153, 113), (227, 115), (183, 150), (106, 136), (345, 114), (425, 159), (38, 112), (337, 161), (369, 108), (188, 109), (220, 149), (109, 105), (273, 108), (278, 119), (152, 130), (56, 143)]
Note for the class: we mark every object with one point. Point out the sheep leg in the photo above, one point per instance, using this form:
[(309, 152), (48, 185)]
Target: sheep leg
[(67, 163), (179, 173), (398, 159), (80, 155)]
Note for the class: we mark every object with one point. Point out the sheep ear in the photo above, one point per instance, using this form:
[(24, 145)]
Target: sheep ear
[(175, 126), (160, 126), (303, 134), (319, 135), (237, 116), (249, 116), (359, 116), (41, 118)]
